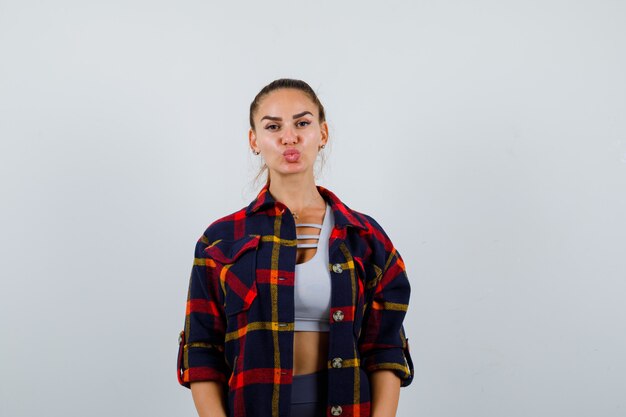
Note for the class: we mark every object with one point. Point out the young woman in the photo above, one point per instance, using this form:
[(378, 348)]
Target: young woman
[(296, 302)]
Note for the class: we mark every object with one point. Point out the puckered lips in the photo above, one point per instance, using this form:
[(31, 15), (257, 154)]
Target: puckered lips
[(291, 155)]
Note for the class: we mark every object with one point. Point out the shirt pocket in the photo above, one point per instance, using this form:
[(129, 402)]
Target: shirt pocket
[(236, 261)]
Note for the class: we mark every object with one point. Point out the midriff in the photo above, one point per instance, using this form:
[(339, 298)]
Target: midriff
[(310, 352)]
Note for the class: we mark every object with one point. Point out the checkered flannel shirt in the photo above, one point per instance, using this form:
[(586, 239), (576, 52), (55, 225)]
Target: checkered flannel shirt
[(239, 319)]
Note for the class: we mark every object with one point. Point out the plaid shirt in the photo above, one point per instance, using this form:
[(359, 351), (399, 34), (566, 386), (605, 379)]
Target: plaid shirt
[(239, 320)]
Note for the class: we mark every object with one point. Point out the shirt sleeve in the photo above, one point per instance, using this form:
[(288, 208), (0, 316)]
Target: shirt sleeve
[(201, 343), (383, 343)]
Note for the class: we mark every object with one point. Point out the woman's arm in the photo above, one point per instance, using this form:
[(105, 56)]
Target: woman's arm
[(202, 365), (385, 393), (208, 396)]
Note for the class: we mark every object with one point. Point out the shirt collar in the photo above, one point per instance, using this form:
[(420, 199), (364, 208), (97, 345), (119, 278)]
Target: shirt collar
[(344, 216)]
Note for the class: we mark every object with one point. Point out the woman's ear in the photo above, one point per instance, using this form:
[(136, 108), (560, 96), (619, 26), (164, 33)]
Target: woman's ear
[(252, 140), (324, 132)]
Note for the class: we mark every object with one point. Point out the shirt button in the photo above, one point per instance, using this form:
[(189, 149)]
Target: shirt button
[(337, 268), (337, 362), (338, 315), (336, 410)]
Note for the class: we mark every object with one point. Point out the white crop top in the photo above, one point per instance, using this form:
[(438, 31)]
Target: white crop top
[(312, 281)]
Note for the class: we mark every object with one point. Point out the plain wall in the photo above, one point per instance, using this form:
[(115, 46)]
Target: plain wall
[(488, 138)]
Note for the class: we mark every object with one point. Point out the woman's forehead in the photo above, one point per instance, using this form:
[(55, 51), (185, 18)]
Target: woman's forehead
[(287, 100)]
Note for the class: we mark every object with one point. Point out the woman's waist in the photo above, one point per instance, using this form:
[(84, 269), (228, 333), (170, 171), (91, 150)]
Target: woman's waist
[(310, 352)]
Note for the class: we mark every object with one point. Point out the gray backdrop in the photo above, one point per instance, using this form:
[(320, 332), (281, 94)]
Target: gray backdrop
[(487, 137)]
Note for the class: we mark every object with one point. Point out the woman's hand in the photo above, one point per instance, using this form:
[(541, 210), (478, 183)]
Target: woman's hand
[(385, 393)]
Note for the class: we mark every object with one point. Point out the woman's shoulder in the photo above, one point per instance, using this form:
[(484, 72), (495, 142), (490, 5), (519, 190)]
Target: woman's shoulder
[(374, 234), (366, 237), (365, 223), (371, 224), (224, 228), (349, 216)]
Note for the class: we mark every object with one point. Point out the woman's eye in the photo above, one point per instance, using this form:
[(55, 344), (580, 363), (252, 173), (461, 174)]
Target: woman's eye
[(303, 123), (271, 127)]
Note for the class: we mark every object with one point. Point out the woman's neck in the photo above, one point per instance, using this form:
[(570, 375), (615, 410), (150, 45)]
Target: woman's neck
[(296, 193)]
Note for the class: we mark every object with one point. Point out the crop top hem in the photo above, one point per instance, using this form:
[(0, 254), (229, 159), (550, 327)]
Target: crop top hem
[(311, 325)]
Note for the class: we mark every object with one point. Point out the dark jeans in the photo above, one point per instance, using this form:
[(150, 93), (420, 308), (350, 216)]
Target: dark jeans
[(308, 395)]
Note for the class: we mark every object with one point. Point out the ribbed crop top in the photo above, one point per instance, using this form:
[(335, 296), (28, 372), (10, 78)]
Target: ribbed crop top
[(312, 282)]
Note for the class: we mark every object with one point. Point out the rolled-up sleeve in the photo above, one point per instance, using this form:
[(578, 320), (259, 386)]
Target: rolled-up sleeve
[(201, 343), (383, 343)]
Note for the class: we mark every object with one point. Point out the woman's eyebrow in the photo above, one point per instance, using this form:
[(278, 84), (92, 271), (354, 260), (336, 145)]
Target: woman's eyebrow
[(279, 119), (295, 116), (276, 119)]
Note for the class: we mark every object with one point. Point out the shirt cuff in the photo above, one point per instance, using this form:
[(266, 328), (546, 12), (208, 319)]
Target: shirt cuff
[(397, 360), (200, 363)]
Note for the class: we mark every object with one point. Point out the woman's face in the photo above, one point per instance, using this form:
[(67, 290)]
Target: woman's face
[(287, 132)]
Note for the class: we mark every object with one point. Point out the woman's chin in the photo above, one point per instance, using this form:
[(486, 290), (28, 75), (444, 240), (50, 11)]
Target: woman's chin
[(290, 169)]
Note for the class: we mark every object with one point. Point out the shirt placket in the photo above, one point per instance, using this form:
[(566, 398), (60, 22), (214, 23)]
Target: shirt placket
[(343, 368)]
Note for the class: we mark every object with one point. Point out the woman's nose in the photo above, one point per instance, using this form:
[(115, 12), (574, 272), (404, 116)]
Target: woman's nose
[(289, 136)]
